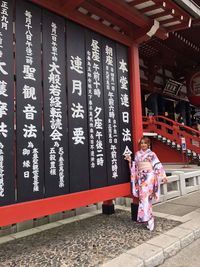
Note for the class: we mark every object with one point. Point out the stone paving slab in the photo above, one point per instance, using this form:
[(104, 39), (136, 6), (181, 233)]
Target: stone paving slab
[(123, 260), (193, 225), (190, 216), (188, 200), (156, 250), (174, 209), (6, 239), (170, 245), (150, 254), (186, 236), (187, 257), (25, 233)]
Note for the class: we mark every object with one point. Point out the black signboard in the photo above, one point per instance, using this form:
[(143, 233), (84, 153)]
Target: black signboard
[(77, 108), (30, 174), (7, 194), (72, 106), (55, 113), (172, 87), (124, 108), (97, 150), (111, 112)]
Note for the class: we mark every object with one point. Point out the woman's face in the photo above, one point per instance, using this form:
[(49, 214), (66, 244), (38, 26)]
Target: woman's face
[(143, 145)]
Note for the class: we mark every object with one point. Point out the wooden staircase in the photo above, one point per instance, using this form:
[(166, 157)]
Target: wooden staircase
[(170, 132)]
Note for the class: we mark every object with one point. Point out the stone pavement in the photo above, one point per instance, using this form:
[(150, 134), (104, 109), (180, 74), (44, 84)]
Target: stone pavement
[(85, 240), (187, 257), (185, 209), (98, 240)]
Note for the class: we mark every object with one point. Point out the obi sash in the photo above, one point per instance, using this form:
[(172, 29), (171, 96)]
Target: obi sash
[(144, 166)]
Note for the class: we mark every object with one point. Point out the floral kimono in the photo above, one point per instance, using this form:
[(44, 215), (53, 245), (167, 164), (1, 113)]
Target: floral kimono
[(146, 175)]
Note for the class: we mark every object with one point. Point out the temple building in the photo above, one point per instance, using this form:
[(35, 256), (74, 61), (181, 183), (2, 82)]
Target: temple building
[(81, 81)]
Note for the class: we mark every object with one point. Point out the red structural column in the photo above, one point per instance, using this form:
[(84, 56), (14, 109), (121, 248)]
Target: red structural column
[(135, 94), (136, 109)]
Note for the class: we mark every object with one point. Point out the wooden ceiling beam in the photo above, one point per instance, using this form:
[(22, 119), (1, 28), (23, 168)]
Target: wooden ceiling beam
[(137, 2), (162, 14), (92, 24), (104, 15), (61, 7), (179, 27), (124, 10), (131, 14), (50, 5), (171, 5), (87, 22), (69, 5), (174, 19), (140, 35), (153, 7), (196, 22)]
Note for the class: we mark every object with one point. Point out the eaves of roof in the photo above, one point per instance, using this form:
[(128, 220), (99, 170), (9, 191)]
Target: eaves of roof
[(189, 6)]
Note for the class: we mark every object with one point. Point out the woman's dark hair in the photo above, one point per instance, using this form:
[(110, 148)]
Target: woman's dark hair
[(146, 140)]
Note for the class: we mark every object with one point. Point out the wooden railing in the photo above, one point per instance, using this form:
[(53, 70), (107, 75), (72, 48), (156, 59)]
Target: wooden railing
[(173, 131)]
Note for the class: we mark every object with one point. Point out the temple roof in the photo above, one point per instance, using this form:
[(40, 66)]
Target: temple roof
[(126, 20)]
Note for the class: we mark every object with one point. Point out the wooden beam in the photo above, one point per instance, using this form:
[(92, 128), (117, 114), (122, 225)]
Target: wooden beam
[(124, 10), (178, 10), (196, 22), (137, 2), (161, 33), (174, 19), (69, 5), (178, 27), (140, 35), (92, 24), (93, 9), (170, 4), (60, 7), (131, 14), (98, 26), (153, 7), (50, 5), (33, 209), (162, 14), (87, 22)]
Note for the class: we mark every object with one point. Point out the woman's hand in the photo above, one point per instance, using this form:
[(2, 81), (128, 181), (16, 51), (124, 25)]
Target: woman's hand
[(128, 158), (164, 180)]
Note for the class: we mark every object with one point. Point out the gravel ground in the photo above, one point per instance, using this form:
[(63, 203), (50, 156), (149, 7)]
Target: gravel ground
[(86, 243)]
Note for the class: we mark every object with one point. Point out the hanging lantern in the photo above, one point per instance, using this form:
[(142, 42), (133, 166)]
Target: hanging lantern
[(193, 88)]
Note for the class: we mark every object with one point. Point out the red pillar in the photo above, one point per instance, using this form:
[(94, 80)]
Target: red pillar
[(135, 94), (136, 109)]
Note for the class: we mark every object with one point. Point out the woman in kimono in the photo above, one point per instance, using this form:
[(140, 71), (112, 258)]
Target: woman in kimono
[(146, 175)]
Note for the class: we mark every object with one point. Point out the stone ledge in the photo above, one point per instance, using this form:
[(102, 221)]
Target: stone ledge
[(25, 233), (193, 225), (172, 250), (170, 245), (150, 254), (186, 236), (6, 239), (124, 260), (156, 250)]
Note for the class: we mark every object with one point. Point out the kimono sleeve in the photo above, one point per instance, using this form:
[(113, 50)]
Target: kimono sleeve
[(158, 168), (134, 168)]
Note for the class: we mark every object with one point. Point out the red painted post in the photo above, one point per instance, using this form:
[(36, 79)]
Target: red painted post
[(136, 108), (135, 95)]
